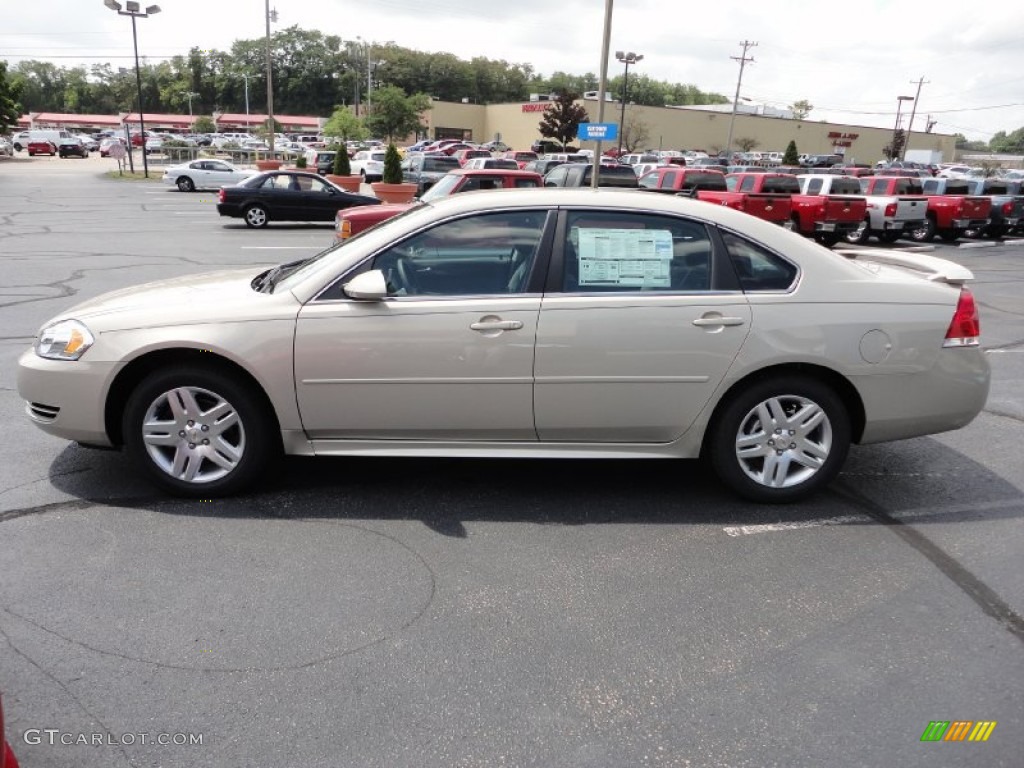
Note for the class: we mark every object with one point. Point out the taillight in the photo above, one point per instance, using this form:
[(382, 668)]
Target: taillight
[(221, 195), (965, 328), (890, 209), (344, 229), (1008, 208)]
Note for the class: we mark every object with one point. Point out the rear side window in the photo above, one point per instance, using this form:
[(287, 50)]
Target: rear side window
[(781, 184), (633, 252), (758, 269)]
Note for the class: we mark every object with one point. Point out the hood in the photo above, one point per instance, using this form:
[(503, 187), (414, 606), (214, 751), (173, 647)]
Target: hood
[(221, 296)]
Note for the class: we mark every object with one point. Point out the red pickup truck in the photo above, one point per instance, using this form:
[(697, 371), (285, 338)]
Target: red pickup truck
[(713, 187), (952, 210), (824, 215), (349, 222)]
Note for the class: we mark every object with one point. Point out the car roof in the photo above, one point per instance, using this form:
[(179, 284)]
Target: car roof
[(490, 172)]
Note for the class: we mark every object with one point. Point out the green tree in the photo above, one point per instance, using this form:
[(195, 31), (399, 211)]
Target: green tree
[(345, 125), (204, 124), (10, 109), (562, 118), (791, 156), (396, 115), (801, 109), (392, 173), (894, 148), (1012, 143)]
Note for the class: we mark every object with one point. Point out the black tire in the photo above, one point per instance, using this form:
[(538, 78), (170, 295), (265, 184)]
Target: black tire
[(256, 216), (185, 184), (951, 235), (925, 233), (998, 232), (890, 235), (829, 239), (861, 234), (808, 415), (239, 433)]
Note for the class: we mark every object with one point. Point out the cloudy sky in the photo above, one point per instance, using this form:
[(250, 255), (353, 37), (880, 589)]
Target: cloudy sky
[(850, 60)]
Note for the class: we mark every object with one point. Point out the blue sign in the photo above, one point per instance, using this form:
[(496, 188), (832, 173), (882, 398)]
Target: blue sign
[(598, 132)]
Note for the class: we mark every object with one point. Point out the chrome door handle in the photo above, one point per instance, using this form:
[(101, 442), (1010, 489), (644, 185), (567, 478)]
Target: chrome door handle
[(720, 320), (497, 325)]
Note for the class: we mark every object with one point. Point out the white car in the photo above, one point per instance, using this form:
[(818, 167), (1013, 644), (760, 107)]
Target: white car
[(369, 163), (544, 323), (205, 174)]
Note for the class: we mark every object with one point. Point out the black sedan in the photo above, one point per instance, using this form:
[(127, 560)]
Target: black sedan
[(286, 196)]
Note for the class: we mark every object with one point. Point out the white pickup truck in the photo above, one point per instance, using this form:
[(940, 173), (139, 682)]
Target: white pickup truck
[(896, 204)]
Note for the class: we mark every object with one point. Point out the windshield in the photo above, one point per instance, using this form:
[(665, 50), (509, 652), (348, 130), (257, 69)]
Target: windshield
[(444, 187)]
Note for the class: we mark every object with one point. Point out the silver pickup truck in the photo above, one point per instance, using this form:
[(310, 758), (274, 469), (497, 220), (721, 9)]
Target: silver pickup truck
[(896, 204)]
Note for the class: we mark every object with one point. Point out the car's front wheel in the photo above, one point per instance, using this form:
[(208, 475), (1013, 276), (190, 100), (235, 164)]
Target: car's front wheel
[(780, 440), (185, 184), (256, 216), (198, 432)]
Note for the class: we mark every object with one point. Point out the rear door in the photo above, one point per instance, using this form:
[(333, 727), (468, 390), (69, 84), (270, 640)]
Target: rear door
[(633, 337)]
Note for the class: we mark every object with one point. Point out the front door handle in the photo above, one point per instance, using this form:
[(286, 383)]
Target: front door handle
[(717, 320), (488, 324)]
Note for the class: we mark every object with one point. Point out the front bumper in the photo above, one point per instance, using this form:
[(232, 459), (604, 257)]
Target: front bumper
[(66, 399)]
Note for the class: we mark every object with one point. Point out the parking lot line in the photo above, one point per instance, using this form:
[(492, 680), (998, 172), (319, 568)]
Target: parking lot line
[(903, 515)]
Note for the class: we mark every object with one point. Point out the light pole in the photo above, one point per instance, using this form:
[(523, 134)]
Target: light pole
[(627, 59), (132, 9), (246, 76), (899, 106), (271, 16), (189, 95)]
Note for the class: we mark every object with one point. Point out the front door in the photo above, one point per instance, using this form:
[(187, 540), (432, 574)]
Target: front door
[(447, 356)]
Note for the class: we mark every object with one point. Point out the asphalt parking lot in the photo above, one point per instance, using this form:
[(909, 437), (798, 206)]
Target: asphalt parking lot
[(487, 613)]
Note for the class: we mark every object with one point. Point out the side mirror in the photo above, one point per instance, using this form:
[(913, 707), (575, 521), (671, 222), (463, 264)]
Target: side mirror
[(367, 286)]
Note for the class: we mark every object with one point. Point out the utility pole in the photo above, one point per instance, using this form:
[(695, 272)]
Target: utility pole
[(271, 16), (913, 109), (742, 59)]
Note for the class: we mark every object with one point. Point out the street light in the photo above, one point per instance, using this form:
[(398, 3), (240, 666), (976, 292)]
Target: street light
[(245, 76), (271, 16), (132, 9), (627, 59), (189, 95), (899, 107)]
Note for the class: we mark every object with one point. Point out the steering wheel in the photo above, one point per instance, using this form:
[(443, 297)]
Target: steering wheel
[(405, 276)]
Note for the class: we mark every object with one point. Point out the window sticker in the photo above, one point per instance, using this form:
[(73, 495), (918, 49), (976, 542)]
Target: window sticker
[(629, 258)]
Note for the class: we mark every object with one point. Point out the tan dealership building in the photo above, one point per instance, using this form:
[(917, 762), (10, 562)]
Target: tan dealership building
[(681, 128)]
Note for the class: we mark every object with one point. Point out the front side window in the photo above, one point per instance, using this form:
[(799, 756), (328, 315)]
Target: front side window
[(627, 252), (485, 254), (757, 268)]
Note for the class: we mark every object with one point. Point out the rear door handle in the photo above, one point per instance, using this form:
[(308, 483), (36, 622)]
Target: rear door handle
[(718, 320)]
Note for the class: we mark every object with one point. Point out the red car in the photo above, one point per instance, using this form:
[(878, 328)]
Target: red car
[(521, 158), (463, 155), (7, 758), (41, 147)]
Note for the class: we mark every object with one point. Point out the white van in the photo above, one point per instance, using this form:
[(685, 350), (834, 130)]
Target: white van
[(45, 142)]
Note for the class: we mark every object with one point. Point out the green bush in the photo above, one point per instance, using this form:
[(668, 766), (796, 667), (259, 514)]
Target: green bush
[(392, 166), (791, 157), (342, 166), (300, 161)]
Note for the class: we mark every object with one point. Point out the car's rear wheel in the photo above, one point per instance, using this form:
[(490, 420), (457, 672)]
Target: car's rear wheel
[(829, 239), (924, 233), (198, 432), (861, 234), (256, 216), (780, 440), (951, 235), (185, 184), (890, 235)]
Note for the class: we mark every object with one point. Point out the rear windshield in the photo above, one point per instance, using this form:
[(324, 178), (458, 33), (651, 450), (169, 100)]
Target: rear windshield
[(705, 181), (845, 187), (996, 188), (440, 163), (615, 176), (783, 184), (957, 188)]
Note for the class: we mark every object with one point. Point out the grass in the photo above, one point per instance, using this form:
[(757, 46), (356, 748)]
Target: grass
[(127, 175)]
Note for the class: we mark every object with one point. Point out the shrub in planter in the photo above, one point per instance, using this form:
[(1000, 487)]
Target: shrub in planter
[(392, 166), (300, 161), (342, 166)]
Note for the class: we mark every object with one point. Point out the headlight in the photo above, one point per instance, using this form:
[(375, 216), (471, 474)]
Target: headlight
[(66, 340)]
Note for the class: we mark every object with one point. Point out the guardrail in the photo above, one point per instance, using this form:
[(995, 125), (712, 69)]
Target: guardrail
[(238, 157)]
